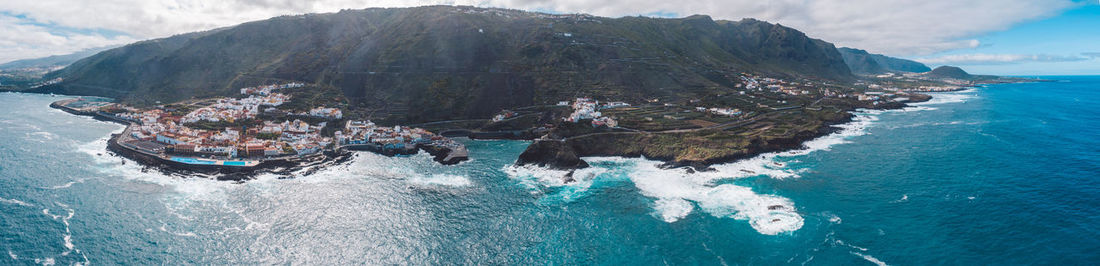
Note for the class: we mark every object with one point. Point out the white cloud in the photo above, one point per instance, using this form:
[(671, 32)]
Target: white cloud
[(998, 59), (901, 27), (897, 27), (19, 40)]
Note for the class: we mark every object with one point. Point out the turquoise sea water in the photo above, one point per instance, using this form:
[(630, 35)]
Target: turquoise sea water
[(1006, 174)]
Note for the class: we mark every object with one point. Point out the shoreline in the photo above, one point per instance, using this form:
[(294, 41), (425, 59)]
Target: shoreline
[(239, 170), (563, 157), (565, 154), (224, 172)]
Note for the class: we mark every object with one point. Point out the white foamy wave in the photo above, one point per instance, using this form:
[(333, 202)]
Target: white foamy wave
[(195, 188), (45, 262), (441, 180), (767, 214), (534, 177), (567, 189), (97, 149), (16, 202), (917, 108), (768, 164), (164, 228), (674, 190), (857, 127), (947, 97), (764, 164), (66, 185), (672, 209), (41, 136), (869, 258), (411, 169), (67, 237)]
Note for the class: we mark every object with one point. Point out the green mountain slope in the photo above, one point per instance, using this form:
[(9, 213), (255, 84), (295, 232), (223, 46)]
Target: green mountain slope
[(442, 62), (862, 62), (949, 72)]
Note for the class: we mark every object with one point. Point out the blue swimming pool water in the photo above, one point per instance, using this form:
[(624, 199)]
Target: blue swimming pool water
[(192, 161)]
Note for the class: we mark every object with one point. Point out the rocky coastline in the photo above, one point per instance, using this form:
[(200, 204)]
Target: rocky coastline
[(565, 153), (231, 173), (441, 154), (220, 172)]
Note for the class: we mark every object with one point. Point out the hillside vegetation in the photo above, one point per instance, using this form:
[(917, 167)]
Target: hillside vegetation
[(441, 62)]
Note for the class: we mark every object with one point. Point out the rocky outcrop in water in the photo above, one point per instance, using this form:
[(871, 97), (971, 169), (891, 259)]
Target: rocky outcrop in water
[(551, 153)]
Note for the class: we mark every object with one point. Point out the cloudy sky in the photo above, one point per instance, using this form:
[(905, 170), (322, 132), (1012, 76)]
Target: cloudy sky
[(1024, 37)]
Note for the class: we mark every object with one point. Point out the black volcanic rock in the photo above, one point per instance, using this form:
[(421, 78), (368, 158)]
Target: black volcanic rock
[(949, 72), (862, 62), (551, 153), (443, 62)]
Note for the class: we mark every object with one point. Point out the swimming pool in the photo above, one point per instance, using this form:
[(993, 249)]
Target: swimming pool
[(192, 160), (188, 160)]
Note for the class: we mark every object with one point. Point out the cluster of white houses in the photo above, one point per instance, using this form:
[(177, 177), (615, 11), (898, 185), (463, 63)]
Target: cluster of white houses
[(230, 109), (388, 138), (161, 132), (731, 112), (587, 108), (325, 112), (267, 89)]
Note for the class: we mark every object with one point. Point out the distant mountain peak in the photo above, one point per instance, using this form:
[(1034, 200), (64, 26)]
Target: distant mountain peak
[(53, 60), (949, 72), (863, 62)]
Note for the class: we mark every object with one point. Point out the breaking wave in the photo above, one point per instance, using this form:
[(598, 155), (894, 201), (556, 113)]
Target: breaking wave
[(947, 97), (869, 258), (16, 202), (677, 193), (441, 180)]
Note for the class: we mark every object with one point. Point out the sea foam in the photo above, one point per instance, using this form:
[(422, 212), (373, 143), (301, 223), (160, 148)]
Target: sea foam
[(15, 202), (677, 193)]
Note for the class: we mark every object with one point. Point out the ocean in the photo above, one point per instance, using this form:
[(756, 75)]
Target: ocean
[(1004, 174)]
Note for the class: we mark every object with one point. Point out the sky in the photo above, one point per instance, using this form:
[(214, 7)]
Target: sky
[(1002, 37)]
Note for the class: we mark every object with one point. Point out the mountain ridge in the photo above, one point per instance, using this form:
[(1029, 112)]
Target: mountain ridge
[(441, 62), (53, 60), (863, 62)]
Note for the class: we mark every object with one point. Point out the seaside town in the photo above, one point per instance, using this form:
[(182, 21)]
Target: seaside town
[(228, 132)]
